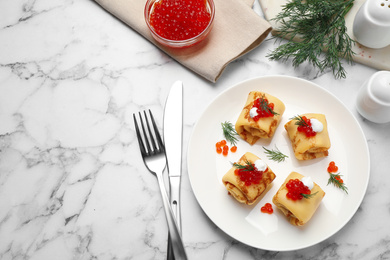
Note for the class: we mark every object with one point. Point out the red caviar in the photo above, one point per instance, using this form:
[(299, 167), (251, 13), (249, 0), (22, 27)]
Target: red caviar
[(332, 168), (249, 175), (264, 109), (295, 189), (221, 147), (225, 150), (306, 128), (180, 19), (337, 177), (267, 208)]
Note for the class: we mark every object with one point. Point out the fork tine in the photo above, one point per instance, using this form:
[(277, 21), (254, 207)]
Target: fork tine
[(140, 142), (149, 150), (155, 150), (158, 136)]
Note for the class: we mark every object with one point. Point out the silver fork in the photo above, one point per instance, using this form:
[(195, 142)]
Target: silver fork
[(153, 154)]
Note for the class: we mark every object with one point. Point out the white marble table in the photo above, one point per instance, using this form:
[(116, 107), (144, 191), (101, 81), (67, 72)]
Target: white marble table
[(72, 183)]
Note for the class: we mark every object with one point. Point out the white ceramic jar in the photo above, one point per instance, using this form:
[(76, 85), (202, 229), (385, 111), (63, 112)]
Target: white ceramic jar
[(373, 99), (371, 26)]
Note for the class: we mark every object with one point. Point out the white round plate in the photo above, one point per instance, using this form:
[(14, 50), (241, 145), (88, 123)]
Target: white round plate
[(246, 223)]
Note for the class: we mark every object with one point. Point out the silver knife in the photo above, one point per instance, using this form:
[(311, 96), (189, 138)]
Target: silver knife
[(173, 126)]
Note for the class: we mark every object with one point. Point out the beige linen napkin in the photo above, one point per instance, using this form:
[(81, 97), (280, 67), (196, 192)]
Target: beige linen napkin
[(237, 30)]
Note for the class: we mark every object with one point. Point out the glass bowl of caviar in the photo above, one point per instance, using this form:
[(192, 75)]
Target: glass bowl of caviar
[(179, 23)]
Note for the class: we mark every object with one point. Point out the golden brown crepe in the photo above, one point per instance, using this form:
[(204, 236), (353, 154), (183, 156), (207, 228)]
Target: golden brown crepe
[(238, 189), (249, 129), (306, 148), (298, 212)]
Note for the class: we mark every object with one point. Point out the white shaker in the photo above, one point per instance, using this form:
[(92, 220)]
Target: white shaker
[(371, 25), (373, 99)]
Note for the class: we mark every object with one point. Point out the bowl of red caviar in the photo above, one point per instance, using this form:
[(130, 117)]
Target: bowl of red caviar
[(179, 23)]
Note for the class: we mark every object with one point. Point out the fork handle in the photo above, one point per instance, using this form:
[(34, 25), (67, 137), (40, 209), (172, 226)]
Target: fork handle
[(177, 243)]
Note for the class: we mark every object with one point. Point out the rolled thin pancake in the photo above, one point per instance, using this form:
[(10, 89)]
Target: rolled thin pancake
[(298, 212), (238, 189), (251, 130), (306, 148)]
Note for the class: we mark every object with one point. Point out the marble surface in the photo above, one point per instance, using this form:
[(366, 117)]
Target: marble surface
[(72, 182)]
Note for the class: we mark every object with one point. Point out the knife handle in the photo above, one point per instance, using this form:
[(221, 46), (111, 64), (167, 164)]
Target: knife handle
[(176, 212), (175, 204), (175, 199), (177, 243)]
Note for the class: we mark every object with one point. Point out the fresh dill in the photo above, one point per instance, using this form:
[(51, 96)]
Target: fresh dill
[(265, 106), (275, 154), (300, 120), (229, 132), (336, 180), (322, 32), (308, 196), (247, 167)]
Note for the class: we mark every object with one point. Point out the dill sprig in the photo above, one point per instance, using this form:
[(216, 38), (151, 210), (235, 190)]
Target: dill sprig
[(275, 154), (320, 25), (300, 121), (229, 132), (247, 167), (308, 196), (264, 105), (336, 181)]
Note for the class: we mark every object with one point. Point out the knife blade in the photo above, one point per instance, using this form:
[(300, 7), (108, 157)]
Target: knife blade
[(173, 126)]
